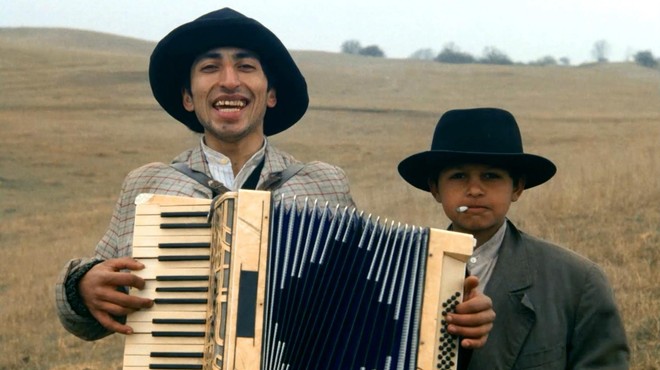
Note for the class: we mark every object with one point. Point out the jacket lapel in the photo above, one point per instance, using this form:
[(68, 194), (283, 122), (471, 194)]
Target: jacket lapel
[(515, 312), (197, 161)]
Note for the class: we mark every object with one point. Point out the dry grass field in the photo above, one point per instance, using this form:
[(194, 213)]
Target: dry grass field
[(76, 114)]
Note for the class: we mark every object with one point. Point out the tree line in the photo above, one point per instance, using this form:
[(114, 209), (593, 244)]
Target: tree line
[(451, 53)]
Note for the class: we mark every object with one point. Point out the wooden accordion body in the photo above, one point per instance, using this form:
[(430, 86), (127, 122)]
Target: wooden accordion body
[(264, 285)]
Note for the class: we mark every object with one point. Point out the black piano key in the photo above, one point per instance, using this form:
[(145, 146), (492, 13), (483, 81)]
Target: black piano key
[(184, 214), (191, 225), (183, 289), (179, 334), (177, 354), (182, 278), (184, 258), (176, 366), (180, 301), (184, 245), (179, 321)]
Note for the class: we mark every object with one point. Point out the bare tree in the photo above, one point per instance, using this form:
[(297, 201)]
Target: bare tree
[(492, 55), (547, 60), (600, 51), (423, 54), (351, 47)]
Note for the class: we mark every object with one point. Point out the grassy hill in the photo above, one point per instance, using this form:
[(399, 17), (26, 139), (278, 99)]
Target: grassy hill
[(77, 114)]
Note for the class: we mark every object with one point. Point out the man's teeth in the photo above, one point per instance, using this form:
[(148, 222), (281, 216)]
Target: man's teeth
[(229, 104)]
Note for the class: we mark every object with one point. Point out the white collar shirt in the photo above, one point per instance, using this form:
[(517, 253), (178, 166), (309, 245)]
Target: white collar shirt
[(483, 260), (221, 170)]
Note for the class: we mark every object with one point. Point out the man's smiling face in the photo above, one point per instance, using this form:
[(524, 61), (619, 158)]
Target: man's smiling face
[(229, 94)]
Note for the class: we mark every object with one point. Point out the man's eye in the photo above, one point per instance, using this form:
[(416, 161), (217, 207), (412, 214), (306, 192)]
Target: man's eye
[(247, 67), (456, 175), (208, 68)]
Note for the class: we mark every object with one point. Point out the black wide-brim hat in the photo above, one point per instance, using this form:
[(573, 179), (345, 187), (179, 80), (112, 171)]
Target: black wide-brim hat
[(174, 55), (480, 135)]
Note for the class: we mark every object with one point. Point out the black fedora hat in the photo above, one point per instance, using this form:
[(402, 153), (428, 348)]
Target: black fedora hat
[(479, 135), (173, 56)]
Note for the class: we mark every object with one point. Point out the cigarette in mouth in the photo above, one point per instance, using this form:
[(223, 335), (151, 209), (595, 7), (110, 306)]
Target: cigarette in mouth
[(461, 209)]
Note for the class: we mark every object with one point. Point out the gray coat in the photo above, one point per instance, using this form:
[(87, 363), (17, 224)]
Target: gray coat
[(315, 180), (555, 310)]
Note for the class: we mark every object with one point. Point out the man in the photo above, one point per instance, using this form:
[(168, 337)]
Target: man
[(228, 77)]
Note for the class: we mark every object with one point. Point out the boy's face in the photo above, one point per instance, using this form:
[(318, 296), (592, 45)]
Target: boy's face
[(486, 191)]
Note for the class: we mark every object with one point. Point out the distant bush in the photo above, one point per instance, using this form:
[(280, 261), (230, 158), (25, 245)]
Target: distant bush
[(646, 59), (451, 54), (354, 47), (372, 51)]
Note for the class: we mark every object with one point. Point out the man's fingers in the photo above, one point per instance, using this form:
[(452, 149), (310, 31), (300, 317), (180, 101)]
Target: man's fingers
[(117, 279), (124, 263), (121, 305), (107, 299), (111, 324)]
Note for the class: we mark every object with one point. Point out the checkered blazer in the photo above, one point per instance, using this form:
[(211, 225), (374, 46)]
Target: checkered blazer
[(315, 180)]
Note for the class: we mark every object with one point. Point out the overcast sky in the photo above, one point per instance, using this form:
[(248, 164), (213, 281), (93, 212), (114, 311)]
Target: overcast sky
[(525, 30)]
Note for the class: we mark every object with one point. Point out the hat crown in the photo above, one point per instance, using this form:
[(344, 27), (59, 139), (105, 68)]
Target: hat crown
[(479, 130), (223, 14)]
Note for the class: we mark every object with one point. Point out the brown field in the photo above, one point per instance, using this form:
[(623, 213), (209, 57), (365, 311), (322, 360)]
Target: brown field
[(76, 115)]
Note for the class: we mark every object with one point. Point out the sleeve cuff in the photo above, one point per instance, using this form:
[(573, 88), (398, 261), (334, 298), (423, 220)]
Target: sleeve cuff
[(72, 292)]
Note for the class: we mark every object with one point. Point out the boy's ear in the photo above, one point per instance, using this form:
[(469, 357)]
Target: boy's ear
[(518, 189), (435, 191)]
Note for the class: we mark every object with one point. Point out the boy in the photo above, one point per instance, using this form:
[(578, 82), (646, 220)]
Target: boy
[(555, 309)]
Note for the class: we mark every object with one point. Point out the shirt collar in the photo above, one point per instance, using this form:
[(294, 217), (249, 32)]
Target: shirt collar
[(220, 165), (489, 249)]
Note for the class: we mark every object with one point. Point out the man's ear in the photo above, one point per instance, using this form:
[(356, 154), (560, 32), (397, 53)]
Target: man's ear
[(271, 99), (187, 100), (518, 189)]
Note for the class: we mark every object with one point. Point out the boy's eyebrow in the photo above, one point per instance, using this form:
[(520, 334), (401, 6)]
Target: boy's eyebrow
[(238, 54)]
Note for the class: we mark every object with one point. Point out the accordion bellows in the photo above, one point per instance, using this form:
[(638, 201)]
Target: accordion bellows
[(291, 284)]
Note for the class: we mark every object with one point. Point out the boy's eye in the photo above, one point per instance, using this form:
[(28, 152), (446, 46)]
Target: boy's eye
[(492, 175), (456, 175)]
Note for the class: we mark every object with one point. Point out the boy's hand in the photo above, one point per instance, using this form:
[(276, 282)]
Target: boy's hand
[(473, 318)]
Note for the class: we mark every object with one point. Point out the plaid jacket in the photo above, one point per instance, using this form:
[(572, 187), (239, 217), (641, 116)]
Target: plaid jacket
[(316, 180)]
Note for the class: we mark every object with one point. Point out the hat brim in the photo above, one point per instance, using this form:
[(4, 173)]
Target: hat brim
[(417, 168), (172, 59)]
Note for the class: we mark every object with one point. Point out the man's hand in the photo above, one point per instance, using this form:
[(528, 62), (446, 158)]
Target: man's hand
[(99, 291), (473, 318)]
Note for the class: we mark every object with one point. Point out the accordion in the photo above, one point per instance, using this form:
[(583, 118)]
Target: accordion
[(250, 282)]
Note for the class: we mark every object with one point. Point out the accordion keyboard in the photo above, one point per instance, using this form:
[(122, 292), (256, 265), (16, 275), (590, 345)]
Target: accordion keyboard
[(172, 239)]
